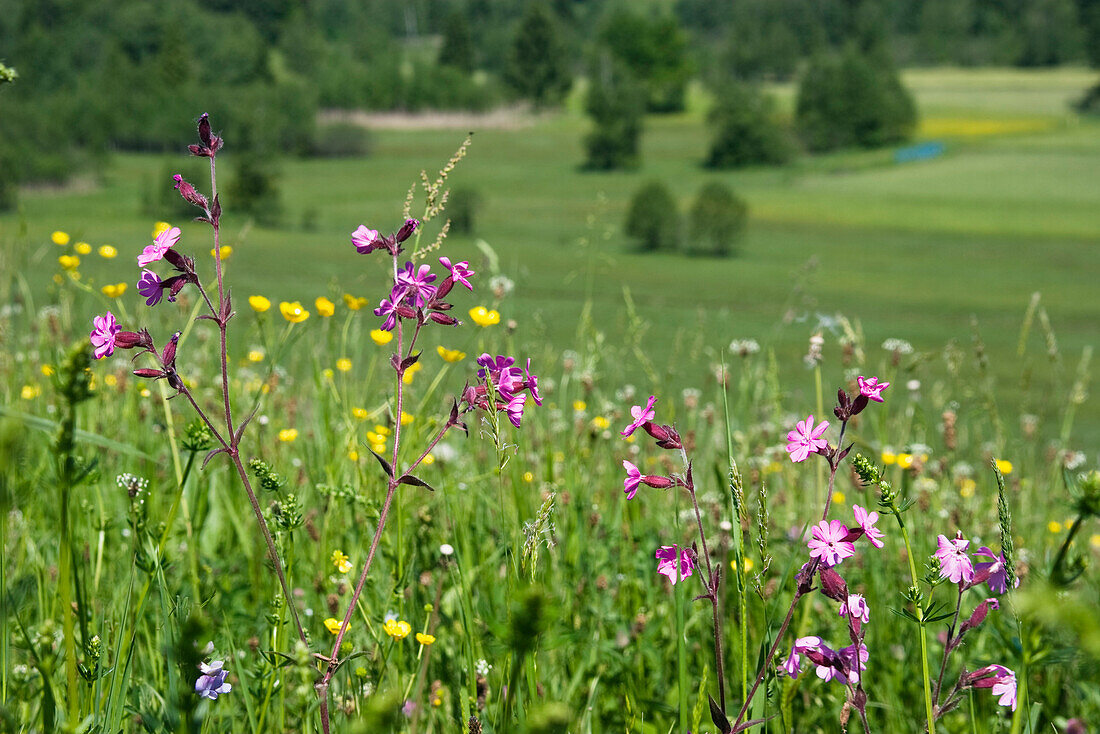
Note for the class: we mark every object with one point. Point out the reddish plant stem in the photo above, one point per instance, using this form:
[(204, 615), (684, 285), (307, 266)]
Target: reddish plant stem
[(947, 648)]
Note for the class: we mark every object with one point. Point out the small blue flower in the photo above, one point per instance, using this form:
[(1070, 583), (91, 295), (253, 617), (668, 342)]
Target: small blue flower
[(211, 683)]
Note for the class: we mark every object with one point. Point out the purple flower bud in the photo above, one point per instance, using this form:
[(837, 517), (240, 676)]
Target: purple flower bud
[(657, 482), (442, 318), (833, 586), (130, 339), (189, 194), (149, 373), (406, 230)]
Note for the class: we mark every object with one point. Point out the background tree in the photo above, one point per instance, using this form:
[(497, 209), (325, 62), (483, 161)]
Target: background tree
[(538, 67), (747, 131), (717, 220), (1089, 12), (653, 218), (615, 103), (457, 49), (655, 52), (853, 99)]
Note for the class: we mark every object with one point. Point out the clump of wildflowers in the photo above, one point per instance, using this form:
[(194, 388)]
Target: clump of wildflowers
[(212, 683)]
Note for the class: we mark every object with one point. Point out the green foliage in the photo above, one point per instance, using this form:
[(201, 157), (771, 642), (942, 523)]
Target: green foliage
[(341, 140), (457, 49), (463, 206), (615, 104), (718, 218), (654, 49), (747, 131), (254, 190), (653, 218), (853, 99), (538, 67)]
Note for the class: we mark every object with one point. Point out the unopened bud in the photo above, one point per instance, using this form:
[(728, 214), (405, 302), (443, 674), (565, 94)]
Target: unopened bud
[(130, 339), (657, 482), (833, 586), (188, 192), (442, 318), (406, 230)]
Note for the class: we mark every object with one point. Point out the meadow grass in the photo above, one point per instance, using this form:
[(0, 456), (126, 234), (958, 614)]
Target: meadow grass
[(157, 580)]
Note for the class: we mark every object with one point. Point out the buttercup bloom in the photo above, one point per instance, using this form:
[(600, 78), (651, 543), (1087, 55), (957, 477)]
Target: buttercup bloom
[(381, 337), (353, 303), (333, 625), (103, 335), (107, 251), (666, 562), (954, 562), (325, 307), (641, 416), (484, 317), (450, 355), (343, 565), (259, 304), (805, 439), (211, 683), (113, 290), (827, 542), (83, 248), (424, 639), (293, 312), (397, 629), (60, 238), (871, 388), (164, 242), (866, 521)]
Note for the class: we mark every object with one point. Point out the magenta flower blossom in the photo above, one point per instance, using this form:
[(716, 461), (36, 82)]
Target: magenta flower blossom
[(1000, 679), (514, 408), (998, 576), (460, 272), (103, 335), (871, 388), (150, 287), (805, 439), (164, 242), (827, 542), (955, 564), (641, 416), (417, 283), (866, 521), (508, 383), (792, 666), (852, 664), (211, 683), (856, 606), (666, 557), (366, 240), (633, 479), (531, 382)]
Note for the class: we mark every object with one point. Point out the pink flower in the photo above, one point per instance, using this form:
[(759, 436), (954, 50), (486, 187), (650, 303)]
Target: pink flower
[(828, 544), (514, 408), (164, 242), (633, 479), (459, 271), (1000, 679), (151, 287), (666, 557), (641, 416), (366, 240), (103, 335), (871, 388), (852, 664), (805, 439), (998, 576), (792, 666), (857, 607), (955, 564), (866, 521)]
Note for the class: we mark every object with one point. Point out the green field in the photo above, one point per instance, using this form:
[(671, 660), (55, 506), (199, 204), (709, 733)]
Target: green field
[(909, 251), (537, 515)]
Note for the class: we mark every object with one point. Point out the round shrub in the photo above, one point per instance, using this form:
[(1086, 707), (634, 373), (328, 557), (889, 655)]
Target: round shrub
[(717, 220), (746, 130), (341, 140), (463, 205), (653, 218)]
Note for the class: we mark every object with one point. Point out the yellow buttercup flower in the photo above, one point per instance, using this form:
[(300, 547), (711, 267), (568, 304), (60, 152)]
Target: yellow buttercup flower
[(343, 565), (114, 291), (46, 370), (259, 304), (398, 630), (160, 227), (376, 439), (107, 252), (30, 392), (256, 355), (580, 406), (382, 430), (450, 355), (353, 303), (528, 477), (360, 413), (293, 312), (967, 487), (407, 378), (327, 373), (428, 460), (110, 380), (69, 262), (889, 457), (1094, 540), (226, 251), (381, 336), (288, 435), (83, 248), (353, 455), (1054, 526), (325, 307), (601, 423), (483, 316), (60, 238), (1005, 467), (838, 497), (905, 460), (748, 565), (406, 418), (343, 364), (424, 639), (333, 625)]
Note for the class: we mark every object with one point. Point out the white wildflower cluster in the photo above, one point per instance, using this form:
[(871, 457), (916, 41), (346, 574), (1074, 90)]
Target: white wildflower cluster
[(744, 347), (897, 346)]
